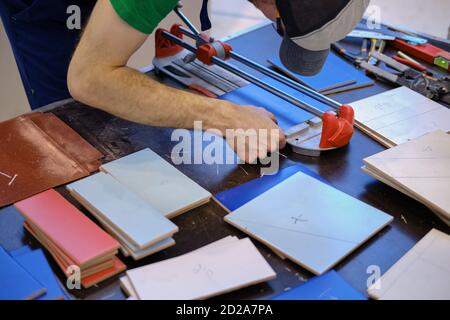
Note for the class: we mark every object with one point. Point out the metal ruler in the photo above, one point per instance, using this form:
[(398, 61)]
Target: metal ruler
[(369, 35)]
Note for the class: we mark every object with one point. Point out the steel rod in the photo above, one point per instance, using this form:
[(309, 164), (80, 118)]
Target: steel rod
[(274, 75), (303, 105)]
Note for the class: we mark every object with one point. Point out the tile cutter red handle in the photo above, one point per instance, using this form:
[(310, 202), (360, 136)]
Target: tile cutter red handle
[(337, 128)]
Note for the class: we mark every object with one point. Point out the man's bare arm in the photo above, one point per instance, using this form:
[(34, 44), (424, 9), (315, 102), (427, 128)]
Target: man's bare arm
[(98, 76)]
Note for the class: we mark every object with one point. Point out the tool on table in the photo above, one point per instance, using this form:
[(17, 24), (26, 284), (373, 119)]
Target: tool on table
[(426, 52), (405, 56), (362, 31), (365, 34), (410, 63), (407, 71), (434, 88), (327, 131), (376, 46), (211, 81)]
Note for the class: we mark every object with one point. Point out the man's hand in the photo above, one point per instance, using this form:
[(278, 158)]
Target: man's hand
[(98, 76), (255, 134)]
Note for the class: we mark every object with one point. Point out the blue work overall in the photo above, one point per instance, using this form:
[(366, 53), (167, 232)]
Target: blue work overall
[(43, 44)]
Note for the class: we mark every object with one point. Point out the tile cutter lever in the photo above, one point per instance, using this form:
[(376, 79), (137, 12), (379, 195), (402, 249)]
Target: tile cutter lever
[(329, 131)]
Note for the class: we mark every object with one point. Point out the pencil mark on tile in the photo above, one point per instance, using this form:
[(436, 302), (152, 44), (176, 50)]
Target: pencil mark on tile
[(299, 219), (296, 231)]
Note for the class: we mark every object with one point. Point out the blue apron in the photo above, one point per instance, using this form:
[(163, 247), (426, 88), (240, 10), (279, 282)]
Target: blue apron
[(42, 44)]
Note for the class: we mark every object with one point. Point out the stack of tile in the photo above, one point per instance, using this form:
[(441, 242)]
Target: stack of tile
[(140, 229), (419, 168), (26, 275), (399, 115), (423, 273), (134, 198), (72, 239), (206, 272), (158, 182)]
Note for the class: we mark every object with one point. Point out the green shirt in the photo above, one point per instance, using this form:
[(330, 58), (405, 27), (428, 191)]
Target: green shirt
[(143, 15)]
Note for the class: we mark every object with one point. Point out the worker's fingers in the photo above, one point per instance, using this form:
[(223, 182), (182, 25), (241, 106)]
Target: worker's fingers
[(282, 140), (272, 117), (277, 140), (269, 114), (263, 112), (263, 149)]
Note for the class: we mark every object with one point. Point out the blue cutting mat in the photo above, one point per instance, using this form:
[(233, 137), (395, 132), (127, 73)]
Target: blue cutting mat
[(335, 71), (330, 286), (37, 265), (236, 197), (286, 113), (15, 282)]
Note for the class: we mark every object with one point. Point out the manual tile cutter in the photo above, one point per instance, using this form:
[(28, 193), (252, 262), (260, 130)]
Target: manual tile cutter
[(328, 131)]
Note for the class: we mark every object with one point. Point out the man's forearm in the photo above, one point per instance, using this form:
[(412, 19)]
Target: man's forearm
[(131, 95)]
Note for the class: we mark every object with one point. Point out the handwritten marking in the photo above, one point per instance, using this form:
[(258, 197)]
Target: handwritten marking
[(243, 170), (5, 175), (12, 180), (404, 219), (208, 272), (299, 219)]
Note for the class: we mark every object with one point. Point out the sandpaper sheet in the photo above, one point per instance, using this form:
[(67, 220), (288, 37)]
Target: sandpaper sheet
[(39, 152)]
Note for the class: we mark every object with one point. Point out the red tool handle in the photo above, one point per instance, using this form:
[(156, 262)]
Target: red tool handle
[(410, 63), (426, 52), (337, 130)]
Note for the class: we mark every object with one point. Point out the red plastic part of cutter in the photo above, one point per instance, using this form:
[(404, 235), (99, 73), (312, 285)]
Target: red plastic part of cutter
[(207, 51), (164, 47), (337, 130)]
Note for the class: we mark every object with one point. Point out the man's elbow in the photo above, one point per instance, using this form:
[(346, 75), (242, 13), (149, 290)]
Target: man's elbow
[(80, 81), (75, 82)]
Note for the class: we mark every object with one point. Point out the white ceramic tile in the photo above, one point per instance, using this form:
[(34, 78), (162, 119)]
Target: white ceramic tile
[(421, 166), (309, 222), (400, 115), (137, 221), (203, 273), (158, 182), (422, 274)]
